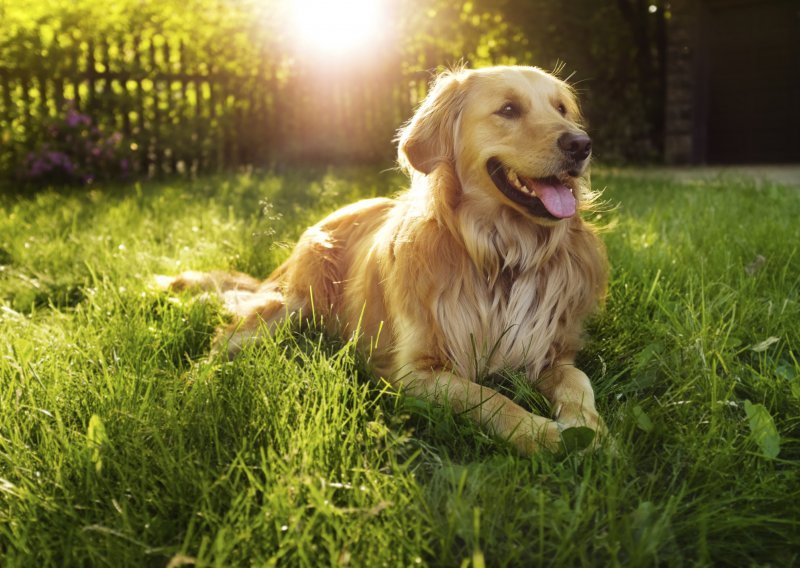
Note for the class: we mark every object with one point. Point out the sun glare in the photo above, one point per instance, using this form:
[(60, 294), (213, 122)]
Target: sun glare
[(337, 27)]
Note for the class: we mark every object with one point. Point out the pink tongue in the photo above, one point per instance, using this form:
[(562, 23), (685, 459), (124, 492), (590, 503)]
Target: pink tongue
[(557, 199)]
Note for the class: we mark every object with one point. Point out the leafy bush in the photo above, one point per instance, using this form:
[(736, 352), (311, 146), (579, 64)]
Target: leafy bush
[(203, 84), (76, 150)]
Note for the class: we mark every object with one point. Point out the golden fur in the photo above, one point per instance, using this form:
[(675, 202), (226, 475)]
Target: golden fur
[(454, 280)]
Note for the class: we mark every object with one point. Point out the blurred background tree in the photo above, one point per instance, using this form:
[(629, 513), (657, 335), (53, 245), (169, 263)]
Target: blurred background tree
[(198, 85)]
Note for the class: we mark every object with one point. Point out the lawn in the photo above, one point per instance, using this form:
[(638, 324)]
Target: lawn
[(123, 444)]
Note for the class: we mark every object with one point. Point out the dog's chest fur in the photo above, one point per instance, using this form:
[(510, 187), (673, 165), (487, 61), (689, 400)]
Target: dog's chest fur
[(512, 322), (503, 294)]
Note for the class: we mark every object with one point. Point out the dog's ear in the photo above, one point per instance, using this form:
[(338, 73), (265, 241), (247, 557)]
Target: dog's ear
[(427, 139)]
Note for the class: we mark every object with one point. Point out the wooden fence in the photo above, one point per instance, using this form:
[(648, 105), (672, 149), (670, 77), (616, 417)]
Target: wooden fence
[(178, 114)]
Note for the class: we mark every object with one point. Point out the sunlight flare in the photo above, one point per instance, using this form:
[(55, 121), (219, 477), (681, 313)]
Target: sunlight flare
[(336, 28)]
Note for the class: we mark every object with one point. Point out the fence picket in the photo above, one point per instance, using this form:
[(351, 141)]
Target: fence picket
[(178, 114)]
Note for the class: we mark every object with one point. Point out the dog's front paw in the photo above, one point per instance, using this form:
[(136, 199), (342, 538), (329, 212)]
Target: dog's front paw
[(572, 415), (580, 428), (536, 437)]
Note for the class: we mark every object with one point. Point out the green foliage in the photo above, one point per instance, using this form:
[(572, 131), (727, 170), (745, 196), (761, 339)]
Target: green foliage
[(202, 84), (763, 430), (171, 76), (76, 150), (41, 34), (122, 443)]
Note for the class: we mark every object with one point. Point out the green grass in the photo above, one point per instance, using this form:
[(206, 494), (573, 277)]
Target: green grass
[(121, 443)]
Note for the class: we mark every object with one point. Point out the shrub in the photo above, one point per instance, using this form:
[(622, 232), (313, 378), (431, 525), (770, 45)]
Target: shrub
[(74, 149)]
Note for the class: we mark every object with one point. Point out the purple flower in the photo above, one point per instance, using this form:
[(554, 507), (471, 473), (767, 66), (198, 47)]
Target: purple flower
[(72, 146), (61, 160), (72, 119), (37, 168), (75, 118)]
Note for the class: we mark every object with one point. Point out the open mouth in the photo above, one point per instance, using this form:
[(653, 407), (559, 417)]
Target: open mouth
[(543, 197)]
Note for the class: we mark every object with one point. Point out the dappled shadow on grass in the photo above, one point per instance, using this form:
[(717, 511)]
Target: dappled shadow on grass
[(27, 295), (313, 188)]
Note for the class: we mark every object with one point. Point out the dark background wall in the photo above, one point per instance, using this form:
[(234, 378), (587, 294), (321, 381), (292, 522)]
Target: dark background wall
[(733, 87)]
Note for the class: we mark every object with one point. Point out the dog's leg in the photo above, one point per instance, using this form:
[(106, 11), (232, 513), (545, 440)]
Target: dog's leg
[(497, 413), (219, 282), (257, 317), (569, 391)]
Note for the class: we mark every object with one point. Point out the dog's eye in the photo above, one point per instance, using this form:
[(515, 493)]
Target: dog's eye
[(562, 109), (509, 110)]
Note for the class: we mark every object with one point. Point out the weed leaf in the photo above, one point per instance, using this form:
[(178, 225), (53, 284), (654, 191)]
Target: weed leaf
[(643, 519), (762, 429), (764, 345), (642, 419), (96, 437), (577, 438), (758, 263), (786, 371)]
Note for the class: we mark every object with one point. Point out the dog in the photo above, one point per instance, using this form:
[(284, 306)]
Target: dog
[(483, 264)]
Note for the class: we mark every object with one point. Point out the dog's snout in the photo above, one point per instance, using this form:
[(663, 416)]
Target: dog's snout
[(576, 146)]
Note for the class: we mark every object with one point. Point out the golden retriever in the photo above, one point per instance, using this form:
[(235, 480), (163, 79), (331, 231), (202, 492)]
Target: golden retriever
[(483, 264)]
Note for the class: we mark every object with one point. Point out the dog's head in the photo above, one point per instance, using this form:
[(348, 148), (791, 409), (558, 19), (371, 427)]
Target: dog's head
[(512, 134)]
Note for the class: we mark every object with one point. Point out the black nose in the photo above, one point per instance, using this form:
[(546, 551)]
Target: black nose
[(576, 146)]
